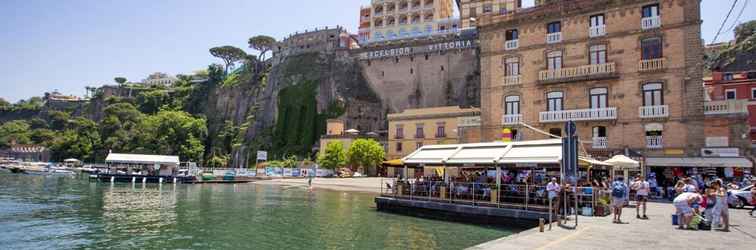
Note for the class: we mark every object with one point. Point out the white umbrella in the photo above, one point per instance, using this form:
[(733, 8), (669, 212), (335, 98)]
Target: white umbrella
[(622, 161), (353, 131)]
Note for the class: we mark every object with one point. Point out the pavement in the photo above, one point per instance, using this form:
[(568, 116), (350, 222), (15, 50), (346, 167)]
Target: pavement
[(655, 233)]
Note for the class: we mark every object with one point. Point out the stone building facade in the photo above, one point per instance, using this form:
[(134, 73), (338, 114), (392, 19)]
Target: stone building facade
[(385, 20), (628, 72), (326, 40), (413, 128), (473, 8), (425, 73)]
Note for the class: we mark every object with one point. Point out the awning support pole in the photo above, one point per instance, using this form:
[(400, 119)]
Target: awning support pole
[(498, 185)]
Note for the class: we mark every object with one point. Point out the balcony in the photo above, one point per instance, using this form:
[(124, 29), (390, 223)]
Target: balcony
[(648, 23), (554, 37), (511, 44), (585, 72), (511, 80), (727, 107), (511, 119), (579, 115), (600, 142), (651, 65), (660, 111), (654, 142), (597, 31)]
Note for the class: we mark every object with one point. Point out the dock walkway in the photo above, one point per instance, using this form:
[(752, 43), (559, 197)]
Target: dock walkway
[(655, 233)]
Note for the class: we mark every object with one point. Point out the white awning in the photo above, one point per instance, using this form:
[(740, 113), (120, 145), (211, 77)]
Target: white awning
[(534, 152), (698, 162), (142, 159)]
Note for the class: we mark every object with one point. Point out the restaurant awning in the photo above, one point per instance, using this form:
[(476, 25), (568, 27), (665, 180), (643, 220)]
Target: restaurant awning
[(698, 162), (523, 152), (395, 162), (142, 159)]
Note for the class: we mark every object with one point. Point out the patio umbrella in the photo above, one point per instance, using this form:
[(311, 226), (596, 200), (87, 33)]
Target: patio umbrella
[(623, 162)]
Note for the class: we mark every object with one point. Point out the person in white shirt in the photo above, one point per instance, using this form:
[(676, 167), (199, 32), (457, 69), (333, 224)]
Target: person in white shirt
[(642, 188), (553, 189)]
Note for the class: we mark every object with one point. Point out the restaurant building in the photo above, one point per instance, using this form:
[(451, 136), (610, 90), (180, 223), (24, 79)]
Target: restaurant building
[(628, 72), (414, 128)]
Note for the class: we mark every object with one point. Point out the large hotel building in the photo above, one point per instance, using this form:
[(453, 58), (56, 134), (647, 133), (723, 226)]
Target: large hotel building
[(628, 72), (386, 20)]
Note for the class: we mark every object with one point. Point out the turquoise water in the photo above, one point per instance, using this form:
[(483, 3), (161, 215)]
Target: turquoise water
[(39, 212)]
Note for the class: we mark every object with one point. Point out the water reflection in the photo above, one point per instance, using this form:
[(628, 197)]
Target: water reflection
[(138, 209)]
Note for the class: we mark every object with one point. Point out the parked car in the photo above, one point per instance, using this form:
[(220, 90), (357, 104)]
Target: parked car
[(739, 198)]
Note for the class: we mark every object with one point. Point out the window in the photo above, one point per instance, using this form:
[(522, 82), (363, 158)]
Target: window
[(554, 27), (412, 71), (598, 98), (599, 131), (512, 66), (473, 12), (399, 132), (487, 8), (652, 94), (650, 10), (555, 101), (597, 21), (556, 131), (512, 35), (554, 60), (419, 131), (753, 93), (598, 54), (512, 105), (651, 48), (730, 94), (440, 130), (728, 77), (399, 147)]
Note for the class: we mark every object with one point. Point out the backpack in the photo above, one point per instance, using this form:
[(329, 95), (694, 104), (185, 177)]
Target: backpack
[(618, 190)]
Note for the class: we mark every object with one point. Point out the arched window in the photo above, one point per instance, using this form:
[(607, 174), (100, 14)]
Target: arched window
[(555, 101), (652, 94), (512, 105)]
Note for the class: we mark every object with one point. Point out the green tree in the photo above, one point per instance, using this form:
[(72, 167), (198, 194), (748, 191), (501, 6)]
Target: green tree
[(17, 130), (217, 161), (173, 133), (43, 136), (120, 80), (58, 120), (151, 101), (262, 44), (229, 54), (365, 153), (289, 161), (5, 105), (119, 126), (38, 123), (334, 156)]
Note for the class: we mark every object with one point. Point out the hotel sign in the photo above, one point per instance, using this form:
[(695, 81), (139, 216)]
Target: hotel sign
[(406, 51)]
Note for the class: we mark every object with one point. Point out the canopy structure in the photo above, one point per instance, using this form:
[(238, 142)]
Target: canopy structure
[(494, 153), (142, 159), (622, 161), (587, 161), (699, 162)]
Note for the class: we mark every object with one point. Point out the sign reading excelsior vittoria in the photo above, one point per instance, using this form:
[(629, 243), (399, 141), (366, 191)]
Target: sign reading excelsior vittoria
[(406, 51)]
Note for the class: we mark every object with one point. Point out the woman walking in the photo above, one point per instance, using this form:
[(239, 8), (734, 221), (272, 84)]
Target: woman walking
[(720, 213)]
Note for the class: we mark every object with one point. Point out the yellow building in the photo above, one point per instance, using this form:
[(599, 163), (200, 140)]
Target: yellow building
[(474, 8), (414, 128)]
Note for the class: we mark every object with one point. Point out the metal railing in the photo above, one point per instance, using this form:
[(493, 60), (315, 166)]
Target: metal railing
[(511, 119), (597, 31), (600, 142), (650, 22), (651, 64), (659, 111), (654, 141), (726, 107), (511, 44), (514, 196), (585, 70), (579, 115), (555, 37), (511, 80)]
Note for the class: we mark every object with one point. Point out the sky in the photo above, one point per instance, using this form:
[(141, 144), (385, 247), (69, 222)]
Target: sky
[(67, 45)]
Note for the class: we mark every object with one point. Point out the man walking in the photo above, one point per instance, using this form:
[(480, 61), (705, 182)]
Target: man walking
[(619, 196), (642, 188), (553, 190)]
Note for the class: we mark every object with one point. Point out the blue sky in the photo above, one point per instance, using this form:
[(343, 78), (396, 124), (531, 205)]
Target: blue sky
[(67, 45)]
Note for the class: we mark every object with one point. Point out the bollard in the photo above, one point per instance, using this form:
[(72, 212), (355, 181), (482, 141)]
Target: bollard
[(112, 179), (144, 179), (133, 179), (540, 225), (160, 180)]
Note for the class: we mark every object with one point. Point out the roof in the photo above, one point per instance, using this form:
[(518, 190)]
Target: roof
[(539, 151), (142, 159), (699, 162), (434, 112)]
